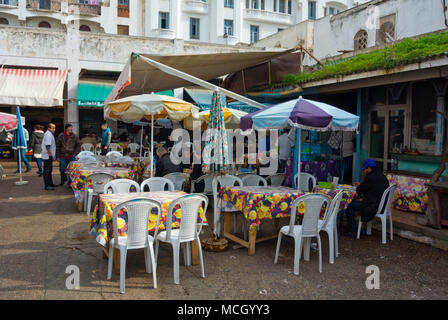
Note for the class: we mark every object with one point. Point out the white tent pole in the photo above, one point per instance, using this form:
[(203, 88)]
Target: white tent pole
[(141, 142), (19, 151), (200, 82), (152, 142)]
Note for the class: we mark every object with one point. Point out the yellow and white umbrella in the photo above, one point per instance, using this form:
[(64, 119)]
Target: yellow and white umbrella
[(231, 119), (150, 107)]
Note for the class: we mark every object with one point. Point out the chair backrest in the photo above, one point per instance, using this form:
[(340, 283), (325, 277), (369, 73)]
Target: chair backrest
[(125, 160), (332, 210), (85, 153), (157, 184), (208, 180), (87, 159), (178, 179), (229, 181), (305, 180), (388, 194), (133, 147), (138, 211), (99, 180), (113, 156), (87, 147), (116, 147), (121, 186), (276, 179), (189, 206), (313, 203), (253, 180)]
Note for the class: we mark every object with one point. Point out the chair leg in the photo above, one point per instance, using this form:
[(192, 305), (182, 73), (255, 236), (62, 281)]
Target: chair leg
[(359, 228), (175, 246), (391, 227), (188, 246), (279, 240), (111, 260), (331, 244), (123, 253), (384, 228), (201, 258), (369, 227), (154, 276), (85, 199), (336, 241), (157, 250), (319, 245), (89, 202), (298, 242), (148, 261), (306, 249), (184, 249)]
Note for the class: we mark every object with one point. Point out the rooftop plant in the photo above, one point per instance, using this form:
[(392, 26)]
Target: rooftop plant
[(401, 53)]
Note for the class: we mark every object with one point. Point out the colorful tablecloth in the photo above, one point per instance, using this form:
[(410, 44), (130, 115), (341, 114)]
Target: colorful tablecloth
[(411, 194), (138, 167), (101, 224), (259, 203)]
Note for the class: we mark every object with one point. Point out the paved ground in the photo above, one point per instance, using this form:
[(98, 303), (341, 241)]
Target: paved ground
[(41, 233)]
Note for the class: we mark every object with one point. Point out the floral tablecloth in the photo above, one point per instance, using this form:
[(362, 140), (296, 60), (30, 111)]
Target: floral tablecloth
[(411, 194), (259, 203), (101, 224), (138, 167)]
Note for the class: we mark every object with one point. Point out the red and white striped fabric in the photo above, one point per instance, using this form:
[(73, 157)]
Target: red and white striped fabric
[(32, 87)]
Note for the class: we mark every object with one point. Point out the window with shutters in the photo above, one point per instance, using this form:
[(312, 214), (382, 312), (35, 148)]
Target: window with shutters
[(360, 40)]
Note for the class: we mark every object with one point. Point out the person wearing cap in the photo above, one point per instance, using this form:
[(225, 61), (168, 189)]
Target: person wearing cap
[(369, 194)]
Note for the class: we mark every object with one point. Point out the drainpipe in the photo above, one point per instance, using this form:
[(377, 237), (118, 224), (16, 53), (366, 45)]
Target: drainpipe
[(358, 136)]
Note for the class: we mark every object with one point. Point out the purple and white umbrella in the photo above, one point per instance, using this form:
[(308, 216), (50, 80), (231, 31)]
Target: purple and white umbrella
[(302, 114)]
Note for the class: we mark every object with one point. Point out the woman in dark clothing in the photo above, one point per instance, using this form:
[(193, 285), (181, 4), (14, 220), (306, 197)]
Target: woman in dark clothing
[(35, 144)]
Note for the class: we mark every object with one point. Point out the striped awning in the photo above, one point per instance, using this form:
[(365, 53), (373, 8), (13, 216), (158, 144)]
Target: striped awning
[(32, 87)]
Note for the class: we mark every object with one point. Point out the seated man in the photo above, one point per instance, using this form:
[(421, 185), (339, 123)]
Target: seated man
[(369, 194), (164, 164)]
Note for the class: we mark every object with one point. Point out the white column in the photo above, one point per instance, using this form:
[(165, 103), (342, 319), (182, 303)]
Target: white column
[(72, 50), (154, 15), (239, 19), (175, 18)]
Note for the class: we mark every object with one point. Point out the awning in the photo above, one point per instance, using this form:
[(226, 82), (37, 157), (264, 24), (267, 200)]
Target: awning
[(32, 87), (93, 93), (140, 77)]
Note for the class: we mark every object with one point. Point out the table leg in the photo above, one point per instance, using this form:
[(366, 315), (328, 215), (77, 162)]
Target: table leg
[(252, 239), (80, 206), (227, 217), (194, 253), (117, 261)]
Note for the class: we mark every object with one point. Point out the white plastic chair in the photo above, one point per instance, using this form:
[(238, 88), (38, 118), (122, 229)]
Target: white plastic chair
[(138, 211), (382, 214), (87, 159), (276, 179), (304, 183), (99, 180), (133, 147), (253, 180), (157, 184), (329, 225), (125, 160), (121, 186), (178, 179), (189, 230), (85, 153), (116, 147), (226, 181), (308, 229), (113, 156), (208, 188), (87, 147)]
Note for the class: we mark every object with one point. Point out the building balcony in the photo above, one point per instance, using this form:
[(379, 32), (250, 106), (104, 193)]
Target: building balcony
[(44, 5), (162, 33), (123, 11), (9, 3), (195, 6), (268, 16), (74, 7)]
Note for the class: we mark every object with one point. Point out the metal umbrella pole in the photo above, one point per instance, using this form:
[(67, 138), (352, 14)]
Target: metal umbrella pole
[(152, 143)]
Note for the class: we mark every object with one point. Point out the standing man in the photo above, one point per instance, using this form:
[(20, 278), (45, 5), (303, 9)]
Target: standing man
[(36, 145), (284, 146), (67, 147), (49, 155), (26, 136), (106, 137)]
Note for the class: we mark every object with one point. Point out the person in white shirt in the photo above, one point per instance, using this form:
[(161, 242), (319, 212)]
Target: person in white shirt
[(49, 155), (284, 145)]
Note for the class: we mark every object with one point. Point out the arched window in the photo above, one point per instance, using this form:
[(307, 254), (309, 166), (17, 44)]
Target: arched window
[(4, 21), (386, 33), (360, 40), (44, 24), (85, 28)]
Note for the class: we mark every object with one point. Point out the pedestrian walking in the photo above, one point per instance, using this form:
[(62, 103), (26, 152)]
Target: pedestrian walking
[(35, 144), (49, 155), (26, 136), (68, 146), (106, 136)]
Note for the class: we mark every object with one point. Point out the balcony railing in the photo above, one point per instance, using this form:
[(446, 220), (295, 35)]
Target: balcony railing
[(84, 9), (123, 11), (12, 3), (268, 16), (51, 5)]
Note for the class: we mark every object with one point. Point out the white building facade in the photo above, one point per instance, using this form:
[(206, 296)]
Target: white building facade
[(213, 21)]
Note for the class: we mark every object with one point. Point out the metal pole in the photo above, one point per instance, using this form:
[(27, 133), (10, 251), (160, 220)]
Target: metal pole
[(358, 136), (141, 142), (152, 142), (298, 161)]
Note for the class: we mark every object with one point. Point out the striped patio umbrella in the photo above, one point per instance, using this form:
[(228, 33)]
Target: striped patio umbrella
[(8, 122), (19, 144)]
